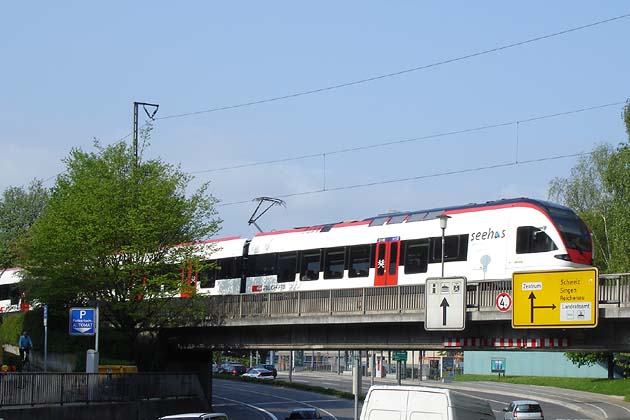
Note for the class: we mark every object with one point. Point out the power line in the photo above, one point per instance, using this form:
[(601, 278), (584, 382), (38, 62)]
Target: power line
[(397, 73), (415, 178), (413, 139)]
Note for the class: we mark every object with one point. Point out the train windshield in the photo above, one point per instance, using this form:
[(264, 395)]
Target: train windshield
[(572, 228)]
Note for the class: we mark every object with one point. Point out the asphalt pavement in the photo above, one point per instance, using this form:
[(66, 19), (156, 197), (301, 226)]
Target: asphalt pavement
[(576, 404)]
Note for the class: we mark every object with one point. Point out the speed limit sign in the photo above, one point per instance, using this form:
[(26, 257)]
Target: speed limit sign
[(503, 302)]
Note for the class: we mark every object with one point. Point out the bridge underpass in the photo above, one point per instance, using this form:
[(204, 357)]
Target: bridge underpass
[(392, 318)]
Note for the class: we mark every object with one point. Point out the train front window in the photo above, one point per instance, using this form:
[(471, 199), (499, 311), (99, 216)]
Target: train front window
[(574, 233), (530, 239)]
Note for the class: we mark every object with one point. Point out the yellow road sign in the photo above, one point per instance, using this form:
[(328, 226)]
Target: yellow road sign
[(555, 299)]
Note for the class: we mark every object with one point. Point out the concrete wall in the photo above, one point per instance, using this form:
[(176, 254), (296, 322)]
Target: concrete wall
[(523, 363), (143, 410)]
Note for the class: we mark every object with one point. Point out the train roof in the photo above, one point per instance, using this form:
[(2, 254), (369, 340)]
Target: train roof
[(488, 205), (427, 214)]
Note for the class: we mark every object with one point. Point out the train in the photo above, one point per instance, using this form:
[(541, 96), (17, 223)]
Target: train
[(487, 241)]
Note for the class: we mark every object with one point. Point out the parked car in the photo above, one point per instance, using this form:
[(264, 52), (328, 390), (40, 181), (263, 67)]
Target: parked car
[(259, 373), (523, 410), (235, 369), (268, 367), (304, 413), (196, 416)]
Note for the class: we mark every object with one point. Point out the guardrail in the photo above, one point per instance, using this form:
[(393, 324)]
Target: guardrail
[(63, 388), (480, 296)]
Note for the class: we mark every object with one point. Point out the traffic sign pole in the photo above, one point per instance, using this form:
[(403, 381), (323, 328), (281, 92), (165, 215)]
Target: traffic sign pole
[(45, 338), (96, 326)]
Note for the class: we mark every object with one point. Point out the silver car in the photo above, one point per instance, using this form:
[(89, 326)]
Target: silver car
[(523, 410)]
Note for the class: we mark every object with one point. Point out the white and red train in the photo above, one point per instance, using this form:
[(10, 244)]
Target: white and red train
[(486, 241)]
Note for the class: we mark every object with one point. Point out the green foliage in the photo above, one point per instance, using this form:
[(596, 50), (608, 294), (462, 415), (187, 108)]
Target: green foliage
[(19, 208), (11, 328), (587, 359), (618, 180), (584, 192), (118, 233), (598, 386), (598, 189)]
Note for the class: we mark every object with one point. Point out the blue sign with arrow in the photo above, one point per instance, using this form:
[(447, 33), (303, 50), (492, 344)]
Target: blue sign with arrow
[(82, 321)]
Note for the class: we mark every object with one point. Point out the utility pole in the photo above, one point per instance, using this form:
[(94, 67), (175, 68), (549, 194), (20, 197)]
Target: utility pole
[(135, 123)]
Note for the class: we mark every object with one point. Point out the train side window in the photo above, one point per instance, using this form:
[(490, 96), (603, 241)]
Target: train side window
[(530, 239), (261, 265), (417, 256), (455, 248), (393, 258), (208, 276), (229, 268), (359, 261), (287, 263), (380, 250), (379, 221), (334, 263), (310, 264)]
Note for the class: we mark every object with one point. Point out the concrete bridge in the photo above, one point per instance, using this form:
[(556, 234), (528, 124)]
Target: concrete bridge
[(392, 318)]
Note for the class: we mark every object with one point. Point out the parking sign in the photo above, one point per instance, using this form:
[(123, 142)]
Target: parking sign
[(82, 321)]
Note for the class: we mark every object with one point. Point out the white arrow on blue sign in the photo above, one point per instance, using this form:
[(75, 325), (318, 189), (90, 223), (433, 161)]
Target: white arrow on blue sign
[(82, 321)]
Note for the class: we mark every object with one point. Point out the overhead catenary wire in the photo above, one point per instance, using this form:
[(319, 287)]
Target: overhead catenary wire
[(410, 140), (419, 177), (396, 73)]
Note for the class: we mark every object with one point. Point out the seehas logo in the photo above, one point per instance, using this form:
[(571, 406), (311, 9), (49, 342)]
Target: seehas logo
[(490, 234)]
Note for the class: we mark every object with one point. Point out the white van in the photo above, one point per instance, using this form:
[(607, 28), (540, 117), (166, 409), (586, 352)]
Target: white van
[(422, 403)]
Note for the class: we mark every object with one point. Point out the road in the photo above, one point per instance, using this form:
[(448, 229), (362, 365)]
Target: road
[(252, 401)]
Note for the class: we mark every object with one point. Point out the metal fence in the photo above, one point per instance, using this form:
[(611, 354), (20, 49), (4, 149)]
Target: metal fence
[(64, 388), (614, 289)]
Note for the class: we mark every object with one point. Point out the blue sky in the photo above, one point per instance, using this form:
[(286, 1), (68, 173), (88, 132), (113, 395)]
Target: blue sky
[(71, 71)]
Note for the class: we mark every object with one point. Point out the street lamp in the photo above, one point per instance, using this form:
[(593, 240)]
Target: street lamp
[(443, 221)]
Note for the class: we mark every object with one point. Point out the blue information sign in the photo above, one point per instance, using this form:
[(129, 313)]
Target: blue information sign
[(82, 321)]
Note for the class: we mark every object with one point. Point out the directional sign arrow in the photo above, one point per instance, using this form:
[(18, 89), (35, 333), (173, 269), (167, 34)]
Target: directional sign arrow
[(444, 305), (531, 298)]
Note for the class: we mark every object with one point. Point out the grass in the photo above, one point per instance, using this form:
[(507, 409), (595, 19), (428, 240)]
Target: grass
[(286, 384), (620, 387)]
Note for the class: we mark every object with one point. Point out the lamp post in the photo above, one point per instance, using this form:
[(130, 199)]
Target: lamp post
[(443, 221)]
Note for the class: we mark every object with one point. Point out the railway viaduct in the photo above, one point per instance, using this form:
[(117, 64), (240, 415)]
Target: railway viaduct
[(392, 318)]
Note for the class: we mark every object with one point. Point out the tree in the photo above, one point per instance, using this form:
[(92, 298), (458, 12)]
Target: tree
[(119, 233), (599, 190), (19, 208), (585, 192), (617, 179)]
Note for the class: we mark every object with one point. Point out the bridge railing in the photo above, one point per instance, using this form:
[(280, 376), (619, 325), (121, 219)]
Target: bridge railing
[(614, 289), (64, 388)]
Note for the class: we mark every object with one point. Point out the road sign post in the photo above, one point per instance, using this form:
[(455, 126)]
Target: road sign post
[(555, 299), (445, 303)]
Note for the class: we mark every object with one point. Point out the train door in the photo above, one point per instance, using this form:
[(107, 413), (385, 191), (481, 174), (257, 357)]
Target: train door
[(387, 259)]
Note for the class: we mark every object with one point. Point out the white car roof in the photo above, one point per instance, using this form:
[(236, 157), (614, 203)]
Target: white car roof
[(180, 416)]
